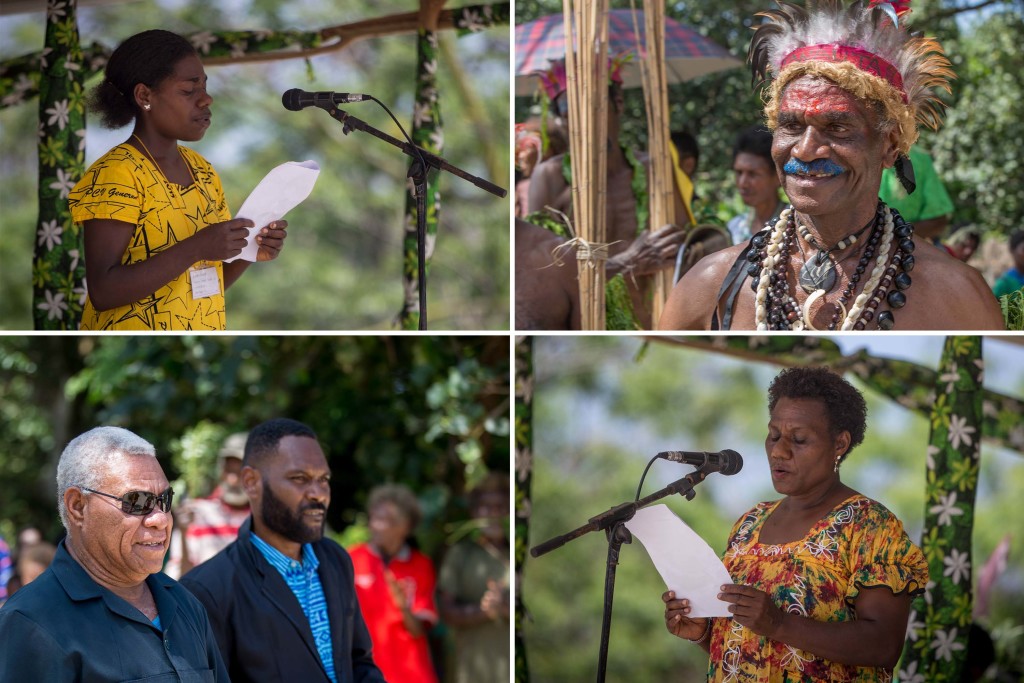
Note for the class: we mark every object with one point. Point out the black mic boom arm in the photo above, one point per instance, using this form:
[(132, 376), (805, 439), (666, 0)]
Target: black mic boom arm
[(349, 122)]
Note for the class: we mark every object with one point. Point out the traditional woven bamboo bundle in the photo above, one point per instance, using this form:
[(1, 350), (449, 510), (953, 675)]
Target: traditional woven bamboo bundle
[(661, 183), (587, 93)]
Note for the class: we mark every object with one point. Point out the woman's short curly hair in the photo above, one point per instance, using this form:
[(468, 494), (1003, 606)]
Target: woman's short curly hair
[(844, 404), (402, 498)]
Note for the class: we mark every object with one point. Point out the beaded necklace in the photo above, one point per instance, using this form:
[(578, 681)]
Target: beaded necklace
[(777, 309), (819, 271)]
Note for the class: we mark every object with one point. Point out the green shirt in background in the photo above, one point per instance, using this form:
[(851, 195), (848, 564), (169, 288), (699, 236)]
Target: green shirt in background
[(930, 199), (481, 652)]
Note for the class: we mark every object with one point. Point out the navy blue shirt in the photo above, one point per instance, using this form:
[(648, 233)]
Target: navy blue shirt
[(66, 627)]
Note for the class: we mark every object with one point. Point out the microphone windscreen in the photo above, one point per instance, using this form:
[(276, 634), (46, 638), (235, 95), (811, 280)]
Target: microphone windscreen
[(291, 99), (732, 462)]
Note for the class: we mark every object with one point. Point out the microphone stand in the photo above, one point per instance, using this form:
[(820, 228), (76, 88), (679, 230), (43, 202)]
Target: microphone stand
[(418, 174), (613, 522)]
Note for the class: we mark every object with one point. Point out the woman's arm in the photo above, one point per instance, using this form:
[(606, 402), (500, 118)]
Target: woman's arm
[(112, 284), (874, 638)]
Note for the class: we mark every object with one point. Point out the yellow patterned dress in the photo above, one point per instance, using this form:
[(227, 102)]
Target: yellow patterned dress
[(859, 544), (125, 185)]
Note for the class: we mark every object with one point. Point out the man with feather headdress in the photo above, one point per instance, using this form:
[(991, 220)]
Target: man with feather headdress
[(849, 84)]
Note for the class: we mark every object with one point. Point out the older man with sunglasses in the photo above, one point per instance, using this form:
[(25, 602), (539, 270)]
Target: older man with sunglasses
[(103, 611)]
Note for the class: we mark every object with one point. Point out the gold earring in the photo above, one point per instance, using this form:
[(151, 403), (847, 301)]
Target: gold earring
[(836, 468)]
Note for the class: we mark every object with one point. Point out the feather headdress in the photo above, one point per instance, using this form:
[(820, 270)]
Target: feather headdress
[(553, 81), (864, 48)]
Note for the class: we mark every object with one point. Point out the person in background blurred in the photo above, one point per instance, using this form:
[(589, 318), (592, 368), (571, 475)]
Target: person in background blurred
[(627, 214), (929, 207), (33, 561), (395, 586), (685, 154), (757, 181), (528, 155), (963, 243), (208, 525), (687, 151), (6, 569), (473, 588), (1013, 279)]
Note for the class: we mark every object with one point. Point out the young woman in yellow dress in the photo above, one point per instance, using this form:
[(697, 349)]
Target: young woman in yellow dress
[(157, 227)]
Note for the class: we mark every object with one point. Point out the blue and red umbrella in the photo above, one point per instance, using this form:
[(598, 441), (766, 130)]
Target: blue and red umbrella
[(687, 53)]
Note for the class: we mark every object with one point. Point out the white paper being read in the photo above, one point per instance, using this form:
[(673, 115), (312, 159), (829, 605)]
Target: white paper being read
[(279, 192), (685, 561)]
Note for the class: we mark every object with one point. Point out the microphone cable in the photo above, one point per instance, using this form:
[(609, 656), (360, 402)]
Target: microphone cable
[(642, 477), (419, 154)]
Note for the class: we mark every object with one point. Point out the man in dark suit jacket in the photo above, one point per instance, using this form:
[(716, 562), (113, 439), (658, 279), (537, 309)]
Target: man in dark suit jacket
[(281, 598)]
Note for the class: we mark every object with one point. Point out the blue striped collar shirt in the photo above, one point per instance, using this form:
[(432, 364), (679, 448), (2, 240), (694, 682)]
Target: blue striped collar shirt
[(304, 582)]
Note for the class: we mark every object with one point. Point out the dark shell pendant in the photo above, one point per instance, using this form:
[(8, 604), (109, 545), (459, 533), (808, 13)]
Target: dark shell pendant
[(818, 273)]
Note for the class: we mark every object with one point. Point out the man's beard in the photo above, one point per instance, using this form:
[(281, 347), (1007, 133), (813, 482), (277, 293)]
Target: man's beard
[(279, 519)]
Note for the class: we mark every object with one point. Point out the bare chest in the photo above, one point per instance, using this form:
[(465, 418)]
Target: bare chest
[(918, 307)]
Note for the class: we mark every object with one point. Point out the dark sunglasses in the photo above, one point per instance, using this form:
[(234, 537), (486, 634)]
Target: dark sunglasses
[(140, 503)]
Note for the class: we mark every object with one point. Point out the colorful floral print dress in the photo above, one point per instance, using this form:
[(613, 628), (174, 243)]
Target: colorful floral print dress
[(859, 544)]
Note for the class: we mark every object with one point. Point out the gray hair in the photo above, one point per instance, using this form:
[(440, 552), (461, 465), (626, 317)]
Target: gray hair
[(87, 458)]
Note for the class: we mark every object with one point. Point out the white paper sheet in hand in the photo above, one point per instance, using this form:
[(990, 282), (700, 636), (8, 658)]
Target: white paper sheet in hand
[(685, 561), (279, 192)]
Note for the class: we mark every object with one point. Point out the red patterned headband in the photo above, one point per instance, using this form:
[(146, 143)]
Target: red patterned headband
[(862, 59)]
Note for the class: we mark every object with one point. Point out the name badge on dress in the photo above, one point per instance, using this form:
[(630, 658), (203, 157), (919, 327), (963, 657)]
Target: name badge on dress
[(204, 282)]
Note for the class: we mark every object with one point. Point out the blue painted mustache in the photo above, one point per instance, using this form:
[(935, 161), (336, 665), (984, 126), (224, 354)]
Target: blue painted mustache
[(818, 166)]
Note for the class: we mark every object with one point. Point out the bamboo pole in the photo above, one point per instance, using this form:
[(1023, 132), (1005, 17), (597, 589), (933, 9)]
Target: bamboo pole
[(587, 95), (661, 181)]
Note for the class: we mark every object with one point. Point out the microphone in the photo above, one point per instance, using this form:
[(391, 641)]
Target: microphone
[(295, 99), (726, 462)]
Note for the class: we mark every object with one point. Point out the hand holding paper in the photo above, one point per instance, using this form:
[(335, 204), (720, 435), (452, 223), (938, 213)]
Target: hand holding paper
[(280, 191), (685, 561)]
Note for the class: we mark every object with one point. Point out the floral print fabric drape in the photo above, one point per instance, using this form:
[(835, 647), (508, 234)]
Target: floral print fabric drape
[(524, 474), (940, 622), (58, 266), (428, 133)]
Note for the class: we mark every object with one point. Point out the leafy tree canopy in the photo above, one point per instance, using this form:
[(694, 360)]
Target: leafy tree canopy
[(429, 412)]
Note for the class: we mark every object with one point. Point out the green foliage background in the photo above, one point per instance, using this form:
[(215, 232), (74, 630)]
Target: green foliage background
[(341, 268), (977, 152), (429, 412), (603, 406)]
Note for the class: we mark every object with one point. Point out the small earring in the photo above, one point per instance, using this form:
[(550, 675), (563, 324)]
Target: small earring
[(836, 468), (147, 106)]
